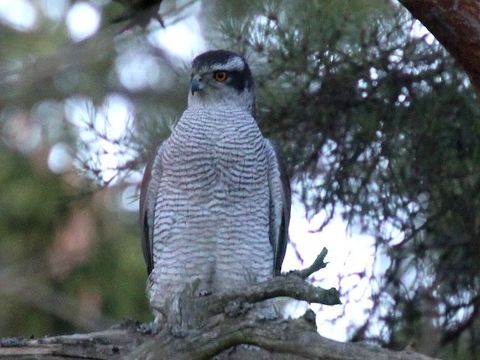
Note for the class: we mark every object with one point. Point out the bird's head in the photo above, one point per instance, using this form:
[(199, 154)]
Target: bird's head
[(221, 77)]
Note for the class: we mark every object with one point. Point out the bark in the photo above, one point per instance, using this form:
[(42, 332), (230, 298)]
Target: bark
[(219, 326), (278, 339), (456, 25)]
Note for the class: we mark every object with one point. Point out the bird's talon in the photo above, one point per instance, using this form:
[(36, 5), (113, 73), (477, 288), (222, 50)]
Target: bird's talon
[(204, 293)]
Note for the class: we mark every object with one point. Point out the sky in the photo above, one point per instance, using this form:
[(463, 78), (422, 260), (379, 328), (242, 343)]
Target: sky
[(348, 252)]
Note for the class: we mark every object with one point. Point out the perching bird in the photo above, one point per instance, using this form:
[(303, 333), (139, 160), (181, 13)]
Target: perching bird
[(215, 201)]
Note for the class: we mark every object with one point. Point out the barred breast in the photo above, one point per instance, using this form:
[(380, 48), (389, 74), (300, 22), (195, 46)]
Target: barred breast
[(211, 218)]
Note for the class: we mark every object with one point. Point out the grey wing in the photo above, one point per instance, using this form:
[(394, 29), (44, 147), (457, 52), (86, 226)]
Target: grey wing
[(280, 203), (148, 194)]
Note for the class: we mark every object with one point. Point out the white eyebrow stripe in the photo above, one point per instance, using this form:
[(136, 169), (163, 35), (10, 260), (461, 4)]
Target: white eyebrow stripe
[(233, 64)]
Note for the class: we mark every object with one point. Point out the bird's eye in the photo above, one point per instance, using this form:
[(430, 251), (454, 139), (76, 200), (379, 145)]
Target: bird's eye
[(220, 76)]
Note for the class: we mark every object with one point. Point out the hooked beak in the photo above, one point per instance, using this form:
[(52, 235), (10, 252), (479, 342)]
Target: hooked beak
[(195, 85)]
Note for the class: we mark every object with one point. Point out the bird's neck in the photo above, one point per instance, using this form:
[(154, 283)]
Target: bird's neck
[(242, 103)]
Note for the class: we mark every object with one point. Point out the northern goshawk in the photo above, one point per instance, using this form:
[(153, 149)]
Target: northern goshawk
[(215, 201)]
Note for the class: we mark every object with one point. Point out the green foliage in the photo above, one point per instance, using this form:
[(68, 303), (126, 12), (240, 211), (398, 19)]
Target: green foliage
[(34, 206), (28, 212), (32, 203)]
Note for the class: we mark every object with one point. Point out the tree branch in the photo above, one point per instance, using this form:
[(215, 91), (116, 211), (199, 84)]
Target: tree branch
[(290, 285), (216, 325), (317, 265), (280, 339)]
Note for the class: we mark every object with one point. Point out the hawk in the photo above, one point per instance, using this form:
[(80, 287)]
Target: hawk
[(215, 200)]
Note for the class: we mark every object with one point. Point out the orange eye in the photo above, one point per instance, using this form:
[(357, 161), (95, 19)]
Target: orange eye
[(220, 76)]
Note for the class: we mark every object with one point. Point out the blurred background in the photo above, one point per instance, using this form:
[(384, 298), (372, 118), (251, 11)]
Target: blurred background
[(378, 125)]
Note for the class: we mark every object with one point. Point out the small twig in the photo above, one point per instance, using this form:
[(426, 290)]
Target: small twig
[(317, 265)]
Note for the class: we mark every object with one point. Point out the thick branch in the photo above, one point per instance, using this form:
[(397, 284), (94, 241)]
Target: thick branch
[(208, 326), (281, 339), (109, 344), (295, 337)]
